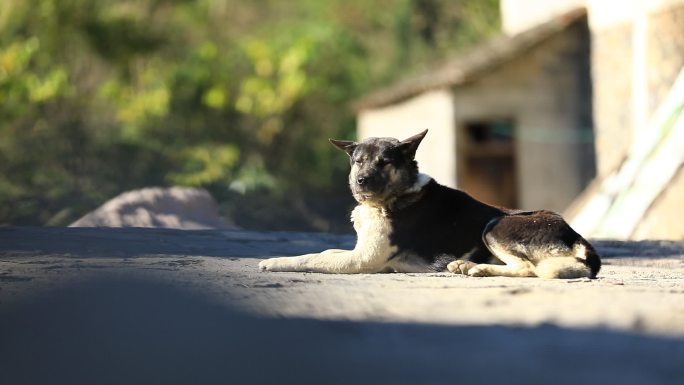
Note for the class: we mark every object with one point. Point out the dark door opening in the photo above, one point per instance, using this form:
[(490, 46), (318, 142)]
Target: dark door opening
[(487, 161)]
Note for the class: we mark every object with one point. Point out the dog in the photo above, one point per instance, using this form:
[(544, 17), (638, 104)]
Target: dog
[(407, 222)]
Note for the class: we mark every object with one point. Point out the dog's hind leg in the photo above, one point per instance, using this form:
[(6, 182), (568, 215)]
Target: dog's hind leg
[(479, 254), (460, 266), (537, 244), (515, 265)]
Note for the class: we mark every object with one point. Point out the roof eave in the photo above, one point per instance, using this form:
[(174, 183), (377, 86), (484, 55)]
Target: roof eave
[(473, 64)]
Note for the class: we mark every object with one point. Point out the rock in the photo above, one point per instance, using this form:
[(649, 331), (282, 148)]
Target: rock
[(174, 207)]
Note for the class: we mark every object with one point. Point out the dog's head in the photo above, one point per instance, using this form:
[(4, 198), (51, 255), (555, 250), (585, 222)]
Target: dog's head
[(382, 168)]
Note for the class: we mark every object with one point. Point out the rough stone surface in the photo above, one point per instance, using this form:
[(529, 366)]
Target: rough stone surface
[(665, 50), (174, 207), (98, 305), (613, 78)]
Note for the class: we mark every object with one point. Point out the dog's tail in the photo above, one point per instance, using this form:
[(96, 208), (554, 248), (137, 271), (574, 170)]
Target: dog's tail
[(584, 262)]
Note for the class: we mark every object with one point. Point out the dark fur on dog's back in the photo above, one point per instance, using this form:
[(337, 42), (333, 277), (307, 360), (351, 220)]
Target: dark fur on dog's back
[(442, 225)]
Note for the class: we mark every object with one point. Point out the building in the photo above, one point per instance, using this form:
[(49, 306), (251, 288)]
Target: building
[(569, 110)]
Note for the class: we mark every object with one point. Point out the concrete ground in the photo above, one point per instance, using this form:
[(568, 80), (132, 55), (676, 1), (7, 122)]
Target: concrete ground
[(153, 306)]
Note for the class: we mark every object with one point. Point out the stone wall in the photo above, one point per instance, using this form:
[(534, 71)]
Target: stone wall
[(666, 59), (620, 75), (615, 68), (665, 52), (611, 74)]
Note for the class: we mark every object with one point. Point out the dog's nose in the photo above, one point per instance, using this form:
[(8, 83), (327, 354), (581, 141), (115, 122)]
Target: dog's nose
[(361, 180)]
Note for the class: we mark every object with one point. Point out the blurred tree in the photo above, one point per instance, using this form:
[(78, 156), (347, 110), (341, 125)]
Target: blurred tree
[(98, 97)]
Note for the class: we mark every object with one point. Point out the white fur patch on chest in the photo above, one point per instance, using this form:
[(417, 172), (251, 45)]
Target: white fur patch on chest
[(373, 231)]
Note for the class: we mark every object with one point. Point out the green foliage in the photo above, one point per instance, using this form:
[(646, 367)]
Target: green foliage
[(205, 164), (98, 97)]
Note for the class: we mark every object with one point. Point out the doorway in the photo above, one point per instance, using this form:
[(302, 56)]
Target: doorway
[(487, 161)]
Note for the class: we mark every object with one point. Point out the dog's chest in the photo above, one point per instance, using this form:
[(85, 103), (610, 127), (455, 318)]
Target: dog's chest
[(374, 243), (373, 230)]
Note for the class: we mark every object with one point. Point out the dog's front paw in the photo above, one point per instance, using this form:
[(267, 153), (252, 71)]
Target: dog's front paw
[(268, 264), (460, 266), (282, 264)]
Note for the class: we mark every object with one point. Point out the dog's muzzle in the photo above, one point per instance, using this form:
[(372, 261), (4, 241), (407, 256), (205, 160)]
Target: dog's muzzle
[(366, 188)]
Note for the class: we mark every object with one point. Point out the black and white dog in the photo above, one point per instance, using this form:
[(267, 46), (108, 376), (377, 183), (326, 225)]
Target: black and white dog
[(407, 222)]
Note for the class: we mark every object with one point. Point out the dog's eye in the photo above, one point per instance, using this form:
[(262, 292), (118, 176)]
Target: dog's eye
[(382, 161)]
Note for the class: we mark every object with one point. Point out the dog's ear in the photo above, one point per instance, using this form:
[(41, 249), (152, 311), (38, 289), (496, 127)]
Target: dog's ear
[(410, 145), (345, 145)]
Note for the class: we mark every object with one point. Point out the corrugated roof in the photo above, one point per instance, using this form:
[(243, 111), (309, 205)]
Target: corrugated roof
[(474, 63)]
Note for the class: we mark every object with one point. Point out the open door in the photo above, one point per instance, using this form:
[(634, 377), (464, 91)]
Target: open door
[(487, 161)]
